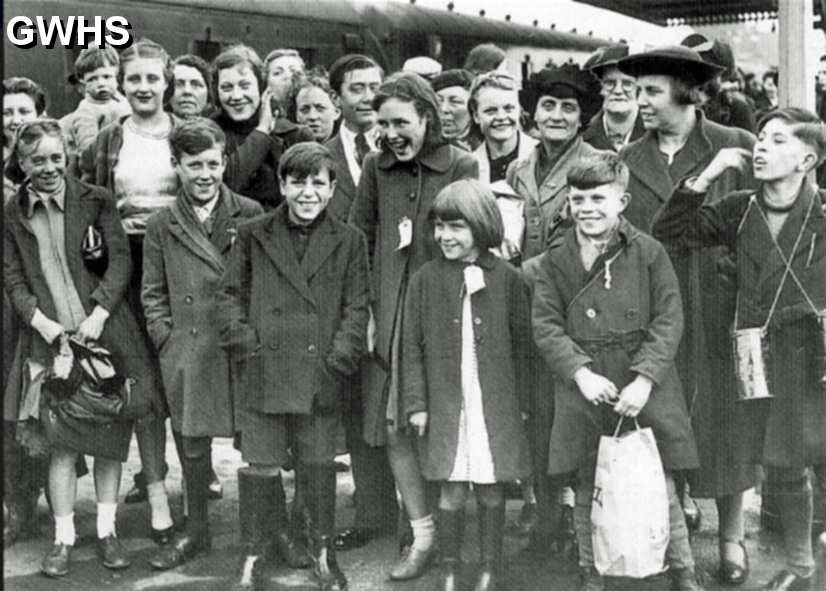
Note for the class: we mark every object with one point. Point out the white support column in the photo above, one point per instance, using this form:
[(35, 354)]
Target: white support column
[(797, 64)]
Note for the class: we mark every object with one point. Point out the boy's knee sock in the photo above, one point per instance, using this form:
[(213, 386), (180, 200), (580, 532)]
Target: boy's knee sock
[(582, 525), (678, 552), (159, 504), (424, 532), (106, 519), (796, 508), (64, 529)]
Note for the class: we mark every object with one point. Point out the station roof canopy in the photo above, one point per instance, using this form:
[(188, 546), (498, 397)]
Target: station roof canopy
[(663, 12)]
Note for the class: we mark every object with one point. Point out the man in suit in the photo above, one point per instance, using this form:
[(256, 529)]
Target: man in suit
[(354, 79)]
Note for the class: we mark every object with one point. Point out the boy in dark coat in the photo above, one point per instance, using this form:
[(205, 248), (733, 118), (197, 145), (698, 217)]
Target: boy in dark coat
[(293, 313), (608, 318), (778, 234)]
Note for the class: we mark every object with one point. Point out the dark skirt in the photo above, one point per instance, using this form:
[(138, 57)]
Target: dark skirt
[(103, 440)]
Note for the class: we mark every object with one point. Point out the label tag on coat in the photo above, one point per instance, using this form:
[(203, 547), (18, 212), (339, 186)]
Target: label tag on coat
[(405, 233), (474, 279)]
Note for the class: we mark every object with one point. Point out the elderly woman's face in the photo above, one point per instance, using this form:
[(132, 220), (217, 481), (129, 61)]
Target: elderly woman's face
[(44, 163), (190, 95), (144, 85), (557, 119), (18, 108), (453, 111), (658, 109), (402, 129)]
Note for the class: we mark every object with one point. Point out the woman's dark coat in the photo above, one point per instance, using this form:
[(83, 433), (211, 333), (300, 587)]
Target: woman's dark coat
[(626, 325), (182, 268), (595, 135), (296, 328), (432, 360), (704, 358), (85, 206), (790, 430), (390, 190)]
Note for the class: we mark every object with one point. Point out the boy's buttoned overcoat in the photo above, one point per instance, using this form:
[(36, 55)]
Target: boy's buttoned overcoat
[(388, 192), (621, 318), (182, 268), (790, 430), (704, 359), (432, 360), (294, 327)]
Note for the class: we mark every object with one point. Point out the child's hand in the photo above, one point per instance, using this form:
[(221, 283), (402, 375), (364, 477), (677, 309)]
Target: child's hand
[(418, 420), (634, 397), (738, 158), (266, 119), (594, 387)]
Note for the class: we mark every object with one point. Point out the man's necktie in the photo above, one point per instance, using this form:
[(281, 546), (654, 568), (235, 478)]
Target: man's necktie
[(362, 149)]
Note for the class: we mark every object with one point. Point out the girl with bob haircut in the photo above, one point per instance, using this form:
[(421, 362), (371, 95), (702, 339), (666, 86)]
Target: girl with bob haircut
[(465, 366), (778, 233), (53, 292), (395, 193)]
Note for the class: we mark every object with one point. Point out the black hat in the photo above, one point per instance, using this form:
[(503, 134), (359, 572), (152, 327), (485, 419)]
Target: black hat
[(715, 52), (672, 60), (605, 57), (565, 81), (450, 78)]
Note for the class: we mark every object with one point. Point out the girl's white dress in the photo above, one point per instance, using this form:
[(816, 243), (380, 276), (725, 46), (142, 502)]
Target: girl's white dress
[(474, 462)]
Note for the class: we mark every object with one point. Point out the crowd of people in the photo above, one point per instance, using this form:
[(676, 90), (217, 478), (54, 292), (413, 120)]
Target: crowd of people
[(476, 277)]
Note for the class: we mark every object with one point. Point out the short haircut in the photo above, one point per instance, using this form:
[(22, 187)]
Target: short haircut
[(27, 139), (148, 49), (27, 86), (304, 159), (348, 63), (493, 79), (412, 88), (474, 202), (315, 78), (805, 125), (684, 93), (277, 53), (195, 135), (193, 61), (94, 57), (484, 58), (234, 56), (600, 169)]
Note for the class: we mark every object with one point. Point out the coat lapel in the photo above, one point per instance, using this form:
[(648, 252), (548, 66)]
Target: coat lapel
[(647, 165), (696, 152), (226, 221), (345, 185), (183, 227), (323, 241), (76, 218), (275, 241)]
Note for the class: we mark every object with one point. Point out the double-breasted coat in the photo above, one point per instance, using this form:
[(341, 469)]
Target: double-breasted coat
[(25, 284), (704, 360), (789, 430), (295, 328), (544, 203), (432, 359), (621, 318), (390, 191), (182, 268)]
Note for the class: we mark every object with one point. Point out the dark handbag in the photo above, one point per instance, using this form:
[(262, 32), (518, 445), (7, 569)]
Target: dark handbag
[(93, 251)]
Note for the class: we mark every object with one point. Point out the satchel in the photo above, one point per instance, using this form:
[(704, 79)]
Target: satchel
[(93, 251), (629, 515)]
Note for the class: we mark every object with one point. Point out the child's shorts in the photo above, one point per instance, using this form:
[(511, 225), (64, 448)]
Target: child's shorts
[(266, 438)]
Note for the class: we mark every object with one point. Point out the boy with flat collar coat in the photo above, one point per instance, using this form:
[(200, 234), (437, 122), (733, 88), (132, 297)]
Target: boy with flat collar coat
[(293, 314)]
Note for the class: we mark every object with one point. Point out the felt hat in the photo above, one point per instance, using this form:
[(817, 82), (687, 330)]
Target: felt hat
[(566, 81), (450, 78), (671, 60)]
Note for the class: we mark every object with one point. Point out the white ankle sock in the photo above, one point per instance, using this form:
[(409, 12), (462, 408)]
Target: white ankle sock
[(64, 529), (159, 503), (424, 532), (566, 496), (106, 519)]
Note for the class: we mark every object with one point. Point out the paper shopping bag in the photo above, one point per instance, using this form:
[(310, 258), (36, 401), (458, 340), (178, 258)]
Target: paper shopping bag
[(629, 515)]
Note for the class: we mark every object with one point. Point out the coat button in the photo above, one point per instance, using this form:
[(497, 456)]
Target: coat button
[(194, 331), (311, 348), (455, 321), (477, 321), (591, 313), (188, 299), (411, 195), (631, 313)]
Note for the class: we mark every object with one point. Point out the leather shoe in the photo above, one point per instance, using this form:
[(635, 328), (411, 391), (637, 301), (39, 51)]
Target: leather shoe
[(292, 552), (413, 564), (527, 519), (180, 550), (788, 581), (352, 538), (730, 571), (163, 536), (56, 561), (112, 554)]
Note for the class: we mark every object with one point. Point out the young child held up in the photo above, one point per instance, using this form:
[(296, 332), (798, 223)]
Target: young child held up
[(465, 372), (608, 319), (96, 70)]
